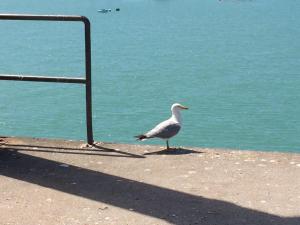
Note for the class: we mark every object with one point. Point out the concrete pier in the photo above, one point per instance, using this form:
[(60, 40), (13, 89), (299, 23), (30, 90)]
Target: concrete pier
[(51, 182)]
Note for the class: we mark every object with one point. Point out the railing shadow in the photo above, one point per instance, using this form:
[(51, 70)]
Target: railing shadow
[(170, 205), (94, 150)]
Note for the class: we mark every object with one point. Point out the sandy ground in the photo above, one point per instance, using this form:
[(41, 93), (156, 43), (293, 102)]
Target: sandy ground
[(51, 182)]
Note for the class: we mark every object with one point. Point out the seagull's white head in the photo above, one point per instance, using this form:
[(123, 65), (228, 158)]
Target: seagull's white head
[(177, 106)]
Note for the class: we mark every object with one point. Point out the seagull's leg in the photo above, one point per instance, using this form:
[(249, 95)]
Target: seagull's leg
[(168, 145)]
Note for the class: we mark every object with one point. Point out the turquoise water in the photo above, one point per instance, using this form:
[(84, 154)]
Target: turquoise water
[(235, 63)]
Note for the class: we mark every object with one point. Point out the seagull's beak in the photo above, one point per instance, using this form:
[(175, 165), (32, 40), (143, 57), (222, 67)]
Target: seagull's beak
[(183, 107)]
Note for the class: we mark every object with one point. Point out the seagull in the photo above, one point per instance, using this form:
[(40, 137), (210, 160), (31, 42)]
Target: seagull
[(166, 129)]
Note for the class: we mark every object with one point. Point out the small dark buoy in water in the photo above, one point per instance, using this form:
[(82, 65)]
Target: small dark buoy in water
[(117, 9)]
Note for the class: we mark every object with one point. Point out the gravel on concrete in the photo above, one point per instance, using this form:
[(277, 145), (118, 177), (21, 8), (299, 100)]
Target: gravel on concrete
[(56, 182)]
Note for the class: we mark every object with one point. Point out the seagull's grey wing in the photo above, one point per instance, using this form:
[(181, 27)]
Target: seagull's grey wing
[(168, 131)]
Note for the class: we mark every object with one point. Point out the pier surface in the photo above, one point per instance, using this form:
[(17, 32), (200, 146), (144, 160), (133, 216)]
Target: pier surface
[(51, 182)]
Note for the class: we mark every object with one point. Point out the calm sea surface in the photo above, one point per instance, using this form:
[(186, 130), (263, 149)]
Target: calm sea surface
[(235, 63)]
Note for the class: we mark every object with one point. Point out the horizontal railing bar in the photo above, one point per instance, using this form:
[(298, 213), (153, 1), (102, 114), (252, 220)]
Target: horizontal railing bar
[(43, 17), (42, 79)]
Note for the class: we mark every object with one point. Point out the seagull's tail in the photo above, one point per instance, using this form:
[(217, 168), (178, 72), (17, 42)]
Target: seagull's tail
[(141, 137)]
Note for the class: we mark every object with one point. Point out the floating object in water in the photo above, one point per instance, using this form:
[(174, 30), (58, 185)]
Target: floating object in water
[(104, 10), (166, 129), (117, 9)]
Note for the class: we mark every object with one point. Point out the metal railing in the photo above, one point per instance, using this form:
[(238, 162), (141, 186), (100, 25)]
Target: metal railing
[(87, 80)]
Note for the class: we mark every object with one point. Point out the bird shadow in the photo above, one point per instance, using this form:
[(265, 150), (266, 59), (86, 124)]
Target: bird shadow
[(174, 151)]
